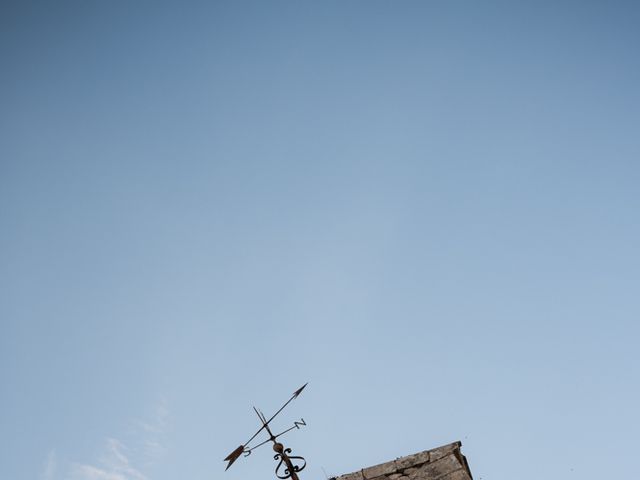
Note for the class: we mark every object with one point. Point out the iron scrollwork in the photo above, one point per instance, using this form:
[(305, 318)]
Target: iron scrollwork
[(291, 469)]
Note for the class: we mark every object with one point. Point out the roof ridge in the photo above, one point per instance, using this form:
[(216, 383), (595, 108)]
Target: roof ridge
[(413, 467)]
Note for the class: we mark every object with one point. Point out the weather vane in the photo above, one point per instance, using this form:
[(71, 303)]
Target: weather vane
[(291, 463)]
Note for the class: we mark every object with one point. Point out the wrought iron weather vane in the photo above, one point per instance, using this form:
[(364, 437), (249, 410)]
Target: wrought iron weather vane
[(288, 465)]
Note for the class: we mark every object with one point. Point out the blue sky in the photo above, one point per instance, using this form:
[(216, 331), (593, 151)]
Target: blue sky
[(427, 210)]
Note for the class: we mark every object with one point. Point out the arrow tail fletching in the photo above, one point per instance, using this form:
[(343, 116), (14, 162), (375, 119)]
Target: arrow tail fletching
[(233, 456)]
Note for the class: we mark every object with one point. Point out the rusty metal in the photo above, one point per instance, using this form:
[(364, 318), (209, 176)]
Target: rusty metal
[(288, 465), (283, 456)]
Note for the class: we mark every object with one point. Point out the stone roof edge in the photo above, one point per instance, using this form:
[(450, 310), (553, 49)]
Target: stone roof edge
[(408, 461)]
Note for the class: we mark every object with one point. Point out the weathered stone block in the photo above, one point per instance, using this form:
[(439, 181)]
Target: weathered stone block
[(412, 460), (352, 476), (443, 451), (379, 470), (433, 470), (457, 475)]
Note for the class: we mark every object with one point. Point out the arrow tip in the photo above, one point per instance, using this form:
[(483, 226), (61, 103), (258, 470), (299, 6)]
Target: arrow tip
[(299, 391)]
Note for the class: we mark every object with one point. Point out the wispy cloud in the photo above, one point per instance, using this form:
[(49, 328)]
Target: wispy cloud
[(120, 461), (154, 429), (89, 472), (49, 468), (114, 464)]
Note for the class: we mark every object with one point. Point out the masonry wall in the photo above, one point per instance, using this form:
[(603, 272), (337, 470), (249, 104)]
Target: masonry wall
[(442, 463)]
